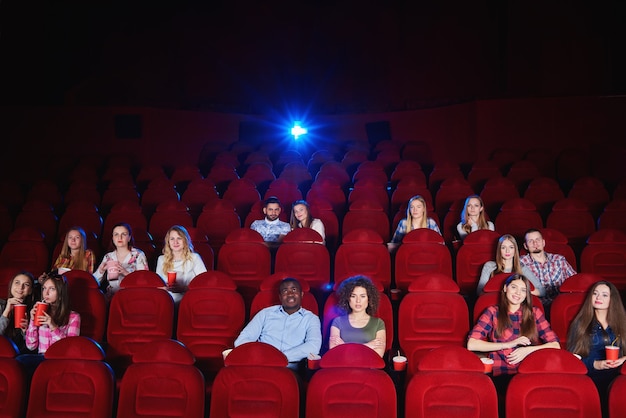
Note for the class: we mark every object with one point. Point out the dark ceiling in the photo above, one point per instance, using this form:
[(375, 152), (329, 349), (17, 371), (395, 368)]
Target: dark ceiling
[(329, 56)]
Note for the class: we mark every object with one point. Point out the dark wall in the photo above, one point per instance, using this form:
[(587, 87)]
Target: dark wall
[(327, 57)]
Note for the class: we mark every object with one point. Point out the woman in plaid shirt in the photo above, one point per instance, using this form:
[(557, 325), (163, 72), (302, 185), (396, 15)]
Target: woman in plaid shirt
[(511, 330)]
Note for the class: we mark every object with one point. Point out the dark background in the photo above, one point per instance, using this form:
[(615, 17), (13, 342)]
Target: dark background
[(329, 56)]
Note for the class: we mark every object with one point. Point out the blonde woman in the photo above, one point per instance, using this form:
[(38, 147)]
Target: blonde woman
[(416, 218), (179, 256)]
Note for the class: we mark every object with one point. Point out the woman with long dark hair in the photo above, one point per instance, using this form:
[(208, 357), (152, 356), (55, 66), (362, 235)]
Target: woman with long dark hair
[(21, 291), (509, 331), (601, 321)]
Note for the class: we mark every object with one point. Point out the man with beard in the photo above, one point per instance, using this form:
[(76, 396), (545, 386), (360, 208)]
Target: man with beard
[(551, 269), (289, 327), (271, 228)]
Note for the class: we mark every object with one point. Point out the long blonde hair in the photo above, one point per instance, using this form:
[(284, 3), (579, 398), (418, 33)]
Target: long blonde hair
[(168, 255), (409, 217)]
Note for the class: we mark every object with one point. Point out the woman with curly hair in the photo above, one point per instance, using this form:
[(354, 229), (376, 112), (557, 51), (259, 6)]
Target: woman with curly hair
[(358, 297), (179, 256), (601, 321)]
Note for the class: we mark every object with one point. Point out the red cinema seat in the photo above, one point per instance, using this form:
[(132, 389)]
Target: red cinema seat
[(210, 316), (432, 314), (423, 251), (605, 254), (217, 220), (162, 381), (548, 375), (243, 194), (137, 315), (617, 395), (73, 381), (13, 384), (246, 259), (478, 248), (255, 382), (351, 382), (450, 382), (301, 256), (568, 302), (363, 252)]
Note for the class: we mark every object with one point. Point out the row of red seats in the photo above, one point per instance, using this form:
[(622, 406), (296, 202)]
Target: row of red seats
[(163, 379), (245, 258)]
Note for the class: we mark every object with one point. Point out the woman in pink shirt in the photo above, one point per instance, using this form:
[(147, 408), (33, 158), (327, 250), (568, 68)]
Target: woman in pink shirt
[(58, 322)]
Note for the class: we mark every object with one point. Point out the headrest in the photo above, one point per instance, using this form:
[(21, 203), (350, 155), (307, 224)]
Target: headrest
[(518, 203), (580, 282), (164, 351), (376, 282), (553, 236), (552, 360), (482, 236), (352, 355), (81, 278), (366, 205), (570, 204), (26, 233), (607, 236), (172, 205), (142, 278), (256, 354), (303, 235), (244, 235), (450, 357), (362, 236), (272, 282), (78, 347), (434, 282), (423, 235), (213, 279)]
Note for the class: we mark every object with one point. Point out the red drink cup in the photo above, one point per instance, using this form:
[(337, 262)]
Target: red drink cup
[(41, 308), (313, 361), (399, 363), (19, 313), (488, 363), (612, 352), (171, 278)]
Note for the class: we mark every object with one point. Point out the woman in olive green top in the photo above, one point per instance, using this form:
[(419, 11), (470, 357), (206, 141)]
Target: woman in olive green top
[(358, 297)]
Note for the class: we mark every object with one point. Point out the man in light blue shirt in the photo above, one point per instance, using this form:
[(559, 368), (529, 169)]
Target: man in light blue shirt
[(271, 228), (289, 327)]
